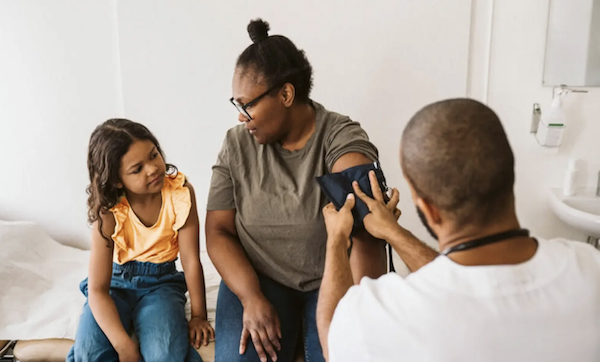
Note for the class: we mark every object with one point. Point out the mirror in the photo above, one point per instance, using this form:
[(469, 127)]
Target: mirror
[(573, 43)]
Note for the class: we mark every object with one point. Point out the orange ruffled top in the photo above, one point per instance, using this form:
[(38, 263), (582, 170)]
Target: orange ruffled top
[(158, 243)]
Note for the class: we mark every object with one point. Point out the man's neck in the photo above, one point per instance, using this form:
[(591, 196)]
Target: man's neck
[(515, 250)]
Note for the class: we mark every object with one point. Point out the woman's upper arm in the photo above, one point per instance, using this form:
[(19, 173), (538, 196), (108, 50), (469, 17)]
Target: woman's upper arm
[(221, 208), (220, 221), (350, 160), (348, 145), (221, 192), (101, 255)]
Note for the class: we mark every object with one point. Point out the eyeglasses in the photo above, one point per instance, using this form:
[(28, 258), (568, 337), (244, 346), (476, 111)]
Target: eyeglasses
[(242, 108)]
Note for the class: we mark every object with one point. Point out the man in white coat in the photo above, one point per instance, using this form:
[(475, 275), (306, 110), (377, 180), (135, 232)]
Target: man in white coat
[(494, 293)]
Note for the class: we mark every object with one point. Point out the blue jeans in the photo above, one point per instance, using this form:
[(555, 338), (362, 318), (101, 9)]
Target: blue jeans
[(297, 314), (150, 299)]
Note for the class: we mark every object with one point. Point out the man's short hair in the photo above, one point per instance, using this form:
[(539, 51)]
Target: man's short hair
[(457, 157)]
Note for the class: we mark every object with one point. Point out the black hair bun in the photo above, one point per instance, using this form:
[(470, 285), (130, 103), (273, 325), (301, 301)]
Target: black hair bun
[(258, 29)]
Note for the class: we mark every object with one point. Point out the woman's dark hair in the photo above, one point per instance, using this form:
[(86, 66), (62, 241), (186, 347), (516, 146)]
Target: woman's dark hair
[(277, 59), (109, 142)]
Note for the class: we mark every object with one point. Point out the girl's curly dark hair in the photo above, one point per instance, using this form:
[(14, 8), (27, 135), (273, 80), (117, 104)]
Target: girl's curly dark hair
[(109, 142)]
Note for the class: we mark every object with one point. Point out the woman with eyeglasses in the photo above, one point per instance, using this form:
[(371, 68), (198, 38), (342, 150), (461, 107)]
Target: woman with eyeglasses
[(264, 228)]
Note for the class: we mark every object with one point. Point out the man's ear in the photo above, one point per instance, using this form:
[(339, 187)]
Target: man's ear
[(431, 213)]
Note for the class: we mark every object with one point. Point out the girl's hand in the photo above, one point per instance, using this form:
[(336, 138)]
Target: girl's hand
[(129, 352), (200, 331)]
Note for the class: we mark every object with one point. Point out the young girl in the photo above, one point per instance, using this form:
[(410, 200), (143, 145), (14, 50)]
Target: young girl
[(143, 213)]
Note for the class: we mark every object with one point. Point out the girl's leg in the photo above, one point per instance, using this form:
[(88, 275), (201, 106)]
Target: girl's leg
[(91, 343), (160, 322)]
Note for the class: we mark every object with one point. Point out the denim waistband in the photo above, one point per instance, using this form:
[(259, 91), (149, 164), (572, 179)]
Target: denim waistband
[(144, 268)]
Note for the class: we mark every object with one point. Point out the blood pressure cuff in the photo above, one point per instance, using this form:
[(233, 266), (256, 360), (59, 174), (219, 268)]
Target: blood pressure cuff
[(337, 186)]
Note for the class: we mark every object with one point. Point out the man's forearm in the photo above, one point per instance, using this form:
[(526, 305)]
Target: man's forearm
[(337, 279), (413, 251)]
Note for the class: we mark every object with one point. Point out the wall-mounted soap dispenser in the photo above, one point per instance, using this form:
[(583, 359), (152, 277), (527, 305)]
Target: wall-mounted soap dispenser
[(549, 126)]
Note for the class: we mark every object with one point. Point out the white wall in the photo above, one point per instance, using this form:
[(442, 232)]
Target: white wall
[(59, 78), (377, 63), (593, 61), (517, 59)]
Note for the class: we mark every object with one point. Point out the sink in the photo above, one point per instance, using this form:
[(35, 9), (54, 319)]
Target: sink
[(581, 211)]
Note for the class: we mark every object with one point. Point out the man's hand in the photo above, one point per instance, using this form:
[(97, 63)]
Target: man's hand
[(382, 221), (339, 223)]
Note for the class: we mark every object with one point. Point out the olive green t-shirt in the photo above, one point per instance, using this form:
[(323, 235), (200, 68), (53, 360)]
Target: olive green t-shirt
[(277, 199)]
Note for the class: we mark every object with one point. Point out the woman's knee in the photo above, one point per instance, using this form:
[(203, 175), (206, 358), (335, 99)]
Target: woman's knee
[(229, 322), (232, 354)]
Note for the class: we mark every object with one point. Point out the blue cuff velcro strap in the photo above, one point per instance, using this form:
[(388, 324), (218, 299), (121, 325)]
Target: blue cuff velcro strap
[(337, 186)]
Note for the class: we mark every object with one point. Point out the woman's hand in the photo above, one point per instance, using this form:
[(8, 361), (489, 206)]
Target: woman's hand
[(201, 331), (262, 323)]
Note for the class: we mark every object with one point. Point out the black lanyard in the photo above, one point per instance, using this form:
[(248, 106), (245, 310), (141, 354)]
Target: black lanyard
[(486, 240)]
